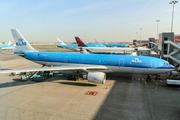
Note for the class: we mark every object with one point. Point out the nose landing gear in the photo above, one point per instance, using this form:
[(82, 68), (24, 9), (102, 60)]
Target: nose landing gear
[(148, 79)]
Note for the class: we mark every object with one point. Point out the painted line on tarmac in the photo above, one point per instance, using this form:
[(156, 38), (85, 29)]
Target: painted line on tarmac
[(156, 83), (19, 65)]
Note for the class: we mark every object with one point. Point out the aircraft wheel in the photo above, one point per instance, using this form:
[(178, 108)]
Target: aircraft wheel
[(74, 78), (148, 79), (13, 74), (77, 77), (69, 77), (158, 77)]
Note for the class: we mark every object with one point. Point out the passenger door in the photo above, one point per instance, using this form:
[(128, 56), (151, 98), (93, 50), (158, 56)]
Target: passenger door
[(121, 62), (153, 64), (35, 56), (66, 59)]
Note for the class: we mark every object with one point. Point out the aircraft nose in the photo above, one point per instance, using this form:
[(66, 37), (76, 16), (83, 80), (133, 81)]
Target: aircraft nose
[(170, 66)]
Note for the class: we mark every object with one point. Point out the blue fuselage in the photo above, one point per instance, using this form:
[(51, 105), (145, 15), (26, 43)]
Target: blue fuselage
[(116, 45), (75, 46), (121, 61)]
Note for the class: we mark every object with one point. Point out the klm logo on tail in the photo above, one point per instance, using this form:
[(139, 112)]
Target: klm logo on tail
[(21, 43)]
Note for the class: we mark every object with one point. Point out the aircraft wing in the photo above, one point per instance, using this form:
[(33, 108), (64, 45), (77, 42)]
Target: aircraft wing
[(57, 68)]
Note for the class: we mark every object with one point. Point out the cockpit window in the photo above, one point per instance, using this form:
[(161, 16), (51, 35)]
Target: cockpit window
[(166, 63)]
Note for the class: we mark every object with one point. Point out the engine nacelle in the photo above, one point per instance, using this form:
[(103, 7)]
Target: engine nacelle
[(96, 77)]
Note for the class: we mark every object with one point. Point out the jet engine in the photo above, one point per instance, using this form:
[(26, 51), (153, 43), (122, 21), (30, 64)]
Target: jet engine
[(96, 77)]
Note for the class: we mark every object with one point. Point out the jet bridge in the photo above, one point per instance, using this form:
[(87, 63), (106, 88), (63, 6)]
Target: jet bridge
[(169, 49)]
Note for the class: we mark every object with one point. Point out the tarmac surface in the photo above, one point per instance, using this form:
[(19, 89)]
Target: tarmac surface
[(129, 97)]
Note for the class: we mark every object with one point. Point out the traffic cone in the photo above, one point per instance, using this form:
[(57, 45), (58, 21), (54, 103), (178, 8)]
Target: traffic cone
[(110, 84), (106, 87)]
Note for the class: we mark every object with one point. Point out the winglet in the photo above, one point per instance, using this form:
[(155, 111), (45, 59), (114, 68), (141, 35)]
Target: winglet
[(79, 42), (21, 43)]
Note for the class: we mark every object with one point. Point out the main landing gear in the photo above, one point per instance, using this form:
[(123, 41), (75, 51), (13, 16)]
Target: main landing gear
[(157, 77), (148, 79), (73, 77)]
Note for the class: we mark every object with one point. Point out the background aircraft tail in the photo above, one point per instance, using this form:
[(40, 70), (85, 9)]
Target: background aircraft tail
[(79, 42), (96, 41), (21, 43), (60, 42), (105, 42), (9, 43)]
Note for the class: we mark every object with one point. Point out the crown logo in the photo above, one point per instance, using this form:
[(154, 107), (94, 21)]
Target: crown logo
[(20, 39)]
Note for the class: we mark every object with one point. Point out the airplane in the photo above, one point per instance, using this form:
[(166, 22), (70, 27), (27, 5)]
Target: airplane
[(95, 65), (61, 44), (114, 45), (81, 44), (7, 47)]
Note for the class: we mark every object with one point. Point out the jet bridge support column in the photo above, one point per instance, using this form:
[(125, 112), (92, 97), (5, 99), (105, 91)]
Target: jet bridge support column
[(165, 48), (150, 41), (135, 43)]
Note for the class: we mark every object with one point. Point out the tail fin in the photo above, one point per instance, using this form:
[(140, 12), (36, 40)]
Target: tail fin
[(105, 42), (21, 43), (60, 42), (9, 43), (96, 41), (79, 42)]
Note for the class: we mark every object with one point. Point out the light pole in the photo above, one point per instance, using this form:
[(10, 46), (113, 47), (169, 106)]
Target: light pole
[(172, 2), (157, 28), (140, 35), (136, 35)]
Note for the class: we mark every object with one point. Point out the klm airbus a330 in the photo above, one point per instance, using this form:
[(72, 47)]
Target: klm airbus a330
[(96, 65)]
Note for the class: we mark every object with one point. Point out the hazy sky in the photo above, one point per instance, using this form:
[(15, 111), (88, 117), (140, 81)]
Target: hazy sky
[(110, 20)]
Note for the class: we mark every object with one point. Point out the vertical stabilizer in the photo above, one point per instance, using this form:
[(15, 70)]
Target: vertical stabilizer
[(96, 41), (79, 42), (9, 43), (21, 43), (60, 42), (105, 42)]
